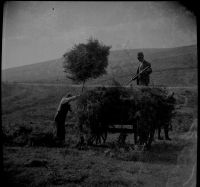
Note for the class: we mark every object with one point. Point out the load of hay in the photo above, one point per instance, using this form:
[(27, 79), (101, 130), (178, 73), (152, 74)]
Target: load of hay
[(102, 107)]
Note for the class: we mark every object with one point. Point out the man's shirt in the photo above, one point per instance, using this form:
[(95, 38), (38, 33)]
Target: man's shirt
[(143, 79), (64, 107), (65, 100)]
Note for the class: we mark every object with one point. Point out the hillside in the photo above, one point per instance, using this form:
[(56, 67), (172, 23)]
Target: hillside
[(171, 67)]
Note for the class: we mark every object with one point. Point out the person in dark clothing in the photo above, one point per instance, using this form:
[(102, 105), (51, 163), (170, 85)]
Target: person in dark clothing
[(63, 108), (144, 78)]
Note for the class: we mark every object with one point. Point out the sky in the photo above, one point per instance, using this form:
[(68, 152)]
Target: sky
[(37, 31)]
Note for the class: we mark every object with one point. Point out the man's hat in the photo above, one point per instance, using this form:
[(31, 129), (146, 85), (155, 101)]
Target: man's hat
[(140, 54)]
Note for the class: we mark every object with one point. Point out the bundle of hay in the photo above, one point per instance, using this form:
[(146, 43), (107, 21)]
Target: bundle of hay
[(102, 107)]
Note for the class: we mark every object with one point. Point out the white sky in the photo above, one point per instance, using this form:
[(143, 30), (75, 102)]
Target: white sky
[(36, 31)]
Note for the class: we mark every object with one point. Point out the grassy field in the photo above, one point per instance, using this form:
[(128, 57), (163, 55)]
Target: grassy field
[(171, 67), (27, 116)]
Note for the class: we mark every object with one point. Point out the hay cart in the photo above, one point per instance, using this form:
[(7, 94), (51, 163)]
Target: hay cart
[(112, 110)]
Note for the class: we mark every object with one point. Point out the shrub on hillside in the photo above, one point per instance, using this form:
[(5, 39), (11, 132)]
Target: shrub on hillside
[(17, 134), (25, 134)]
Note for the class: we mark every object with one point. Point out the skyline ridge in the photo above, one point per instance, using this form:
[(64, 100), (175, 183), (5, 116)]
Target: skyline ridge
[(135, 49)]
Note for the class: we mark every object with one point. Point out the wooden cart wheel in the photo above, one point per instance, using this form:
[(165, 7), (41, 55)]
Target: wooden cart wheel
[(98, 139), (104, 136)]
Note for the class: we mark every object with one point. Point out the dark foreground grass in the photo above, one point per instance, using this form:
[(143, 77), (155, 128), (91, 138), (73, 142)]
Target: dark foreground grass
[(103, 166)]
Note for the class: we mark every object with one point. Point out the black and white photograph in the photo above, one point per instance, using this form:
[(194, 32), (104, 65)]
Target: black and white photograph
[(99, 93)]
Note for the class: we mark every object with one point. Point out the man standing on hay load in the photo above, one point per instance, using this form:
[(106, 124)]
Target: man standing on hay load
[(60, 116), (144, 70)]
